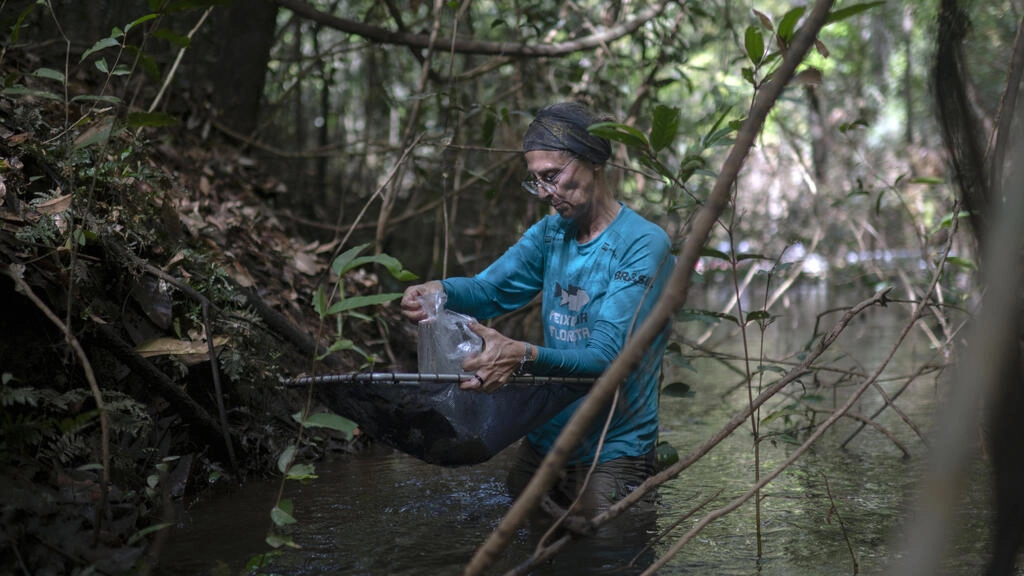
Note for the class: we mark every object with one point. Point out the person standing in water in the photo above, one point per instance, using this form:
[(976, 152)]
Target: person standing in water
[(600, 267)]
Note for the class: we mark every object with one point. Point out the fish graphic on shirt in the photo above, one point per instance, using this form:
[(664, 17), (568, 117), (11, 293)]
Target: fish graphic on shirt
[(574, 297)]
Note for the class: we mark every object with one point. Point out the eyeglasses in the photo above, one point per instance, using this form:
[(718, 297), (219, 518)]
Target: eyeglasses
[(547, 182)]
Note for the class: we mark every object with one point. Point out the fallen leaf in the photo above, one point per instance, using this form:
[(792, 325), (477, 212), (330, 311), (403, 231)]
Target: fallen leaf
[(55, 206)]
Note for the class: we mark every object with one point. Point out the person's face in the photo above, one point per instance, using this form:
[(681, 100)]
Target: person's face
[(566, 183)]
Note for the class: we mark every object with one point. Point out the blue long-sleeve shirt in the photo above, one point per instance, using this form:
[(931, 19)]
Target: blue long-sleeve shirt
[(593, 296)]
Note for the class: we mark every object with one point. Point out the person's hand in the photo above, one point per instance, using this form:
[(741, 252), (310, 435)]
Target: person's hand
[(493, 366), (411, 307)]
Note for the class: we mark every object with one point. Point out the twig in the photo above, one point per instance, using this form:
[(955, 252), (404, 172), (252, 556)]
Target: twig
[(842, 525), (225, 429), (177, 61), (17, 273), (674, 525), (865, 421), (818, 432)]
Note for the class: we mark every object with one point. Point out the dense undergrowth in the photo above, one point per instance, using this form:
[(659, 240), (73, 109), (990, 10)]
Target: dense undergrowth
[(127, 255)]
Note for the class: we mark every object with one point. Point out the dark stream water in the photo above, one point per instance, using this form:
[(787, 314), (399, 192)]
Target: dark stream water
[(384, 513)]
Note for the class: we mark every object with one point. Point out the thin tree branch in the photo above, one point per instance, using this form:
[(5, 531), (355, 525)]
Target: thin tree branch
[(463, 46)]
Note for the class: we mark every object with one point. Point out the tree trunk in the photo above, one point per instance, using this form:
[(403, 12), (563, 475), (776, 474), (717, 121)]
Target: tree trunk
[(243, 35)]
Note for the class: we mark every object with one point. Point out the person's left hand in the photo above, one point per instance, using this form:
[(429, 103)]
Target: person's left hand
[(493, 366)]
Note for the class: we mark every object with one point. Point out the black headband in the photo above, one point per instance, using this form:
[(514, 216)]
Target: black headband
[(563, 127)]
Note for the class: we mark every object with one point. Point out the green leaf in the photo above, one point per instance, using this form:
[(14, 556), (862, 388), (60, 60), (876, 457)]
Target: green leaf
[(343, 344), (186, 5), (717, 254), (490, 123), (758, 316), (281, 517), (961, 262), (778, 414), (343, 263), (753, 41), (394, 267), (320, 302), (16, 28), (664, 126), (621, 133), (681, 361), (277, 541), (932, 180), (947, 220), (705, 316), (99, 45), (94, 98), (361, 301), (788, 24), (151, 119), (329, 421), (715, 133), (178, 40), (140, 20), (286, 458), (18, 90), (849, 11), (770, 368), (302, 472), (49, 73), (148, 530), (750, 256)]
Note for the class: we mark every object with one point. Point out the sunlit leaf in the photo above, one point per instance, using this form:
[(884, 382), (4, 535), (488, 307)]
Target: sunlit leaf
[(931, 180)]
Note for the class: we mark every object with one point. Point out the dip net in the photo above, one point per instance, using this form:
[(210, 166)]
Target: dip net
[(428, 416)]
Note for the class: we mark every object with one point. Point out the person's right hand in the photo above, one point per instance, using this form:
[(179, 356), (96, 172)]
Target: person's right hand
[(411, 307)]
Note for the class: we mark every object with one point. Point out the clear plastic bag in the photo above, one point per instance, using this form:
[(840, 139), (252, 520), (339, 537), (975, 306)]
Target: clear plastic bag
[(445, 339)]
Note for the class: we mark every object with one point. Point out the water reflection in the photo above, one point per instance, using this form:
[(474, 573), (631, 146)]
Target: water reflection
[(382, 512)]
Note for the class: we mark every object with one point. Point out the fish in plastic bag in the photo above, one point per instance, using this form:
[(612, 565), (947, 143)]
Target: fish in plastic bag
[(444, 337)]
